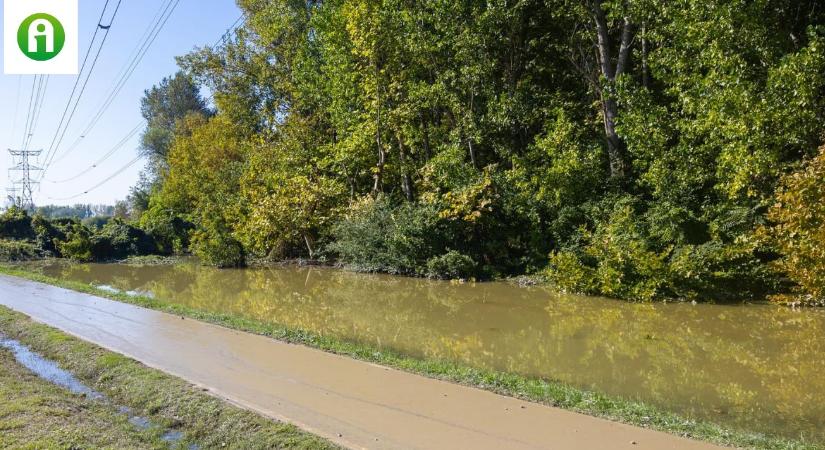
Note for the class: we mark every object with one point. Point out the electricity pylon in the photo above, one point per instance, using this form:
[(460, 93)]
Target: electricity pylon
[(21, 177)]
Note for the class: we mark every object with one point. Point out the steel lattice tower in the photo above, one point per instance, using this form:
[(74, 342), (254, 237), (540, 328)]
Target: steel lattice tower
[(21, 192)]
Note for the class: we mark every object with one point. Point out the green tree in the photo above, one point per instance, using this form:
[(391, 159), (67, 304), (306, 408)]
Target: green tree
[(631, 148), (163, 106), (798, 230)]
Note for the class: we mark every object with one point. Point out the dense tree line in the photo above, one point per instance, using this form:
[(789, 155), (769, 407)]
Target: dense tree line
[(24, 237), (79, 211), (632, 148)]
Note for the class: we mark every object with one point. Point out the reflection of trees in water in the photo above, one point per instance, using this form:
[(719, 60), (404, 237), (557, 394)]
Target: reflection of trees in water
[(756, 366)]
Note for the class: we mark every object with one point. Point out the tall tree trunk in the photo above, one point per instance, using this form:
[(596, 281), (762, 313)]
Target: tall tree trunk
[(406, 180), (472, 153), (472, 121), (426, 126), (310, 242), (610, 108), (645, 69), (378, 186), (382, 155), (615, 146)]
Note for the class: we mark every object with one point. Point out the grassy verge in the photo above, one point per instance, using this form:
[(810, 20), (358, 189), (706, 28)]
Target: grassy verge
[(547, 392), (37, 414)]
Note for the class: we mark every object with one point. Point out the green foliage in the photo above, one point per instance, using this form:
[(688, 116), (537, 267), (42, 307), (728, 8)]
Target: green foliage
[(162, 107), (48, 233), (291, 196), (798, 230), (215, 247), (202, 188), (642, 253), (78, 244), (115, 241), (13, 250), (170, 232), (451, 266), (119, 240), (377, 236), (15, 223), (395, 133)]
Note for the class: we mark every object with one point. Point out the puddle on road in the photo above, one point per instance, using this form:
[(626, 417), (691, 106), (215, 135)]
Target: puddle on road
[(51, 372)]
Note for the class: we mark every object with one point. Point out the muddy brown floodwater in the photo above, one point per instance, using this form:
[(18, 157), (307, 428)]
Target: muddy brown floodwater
[(756, 367)]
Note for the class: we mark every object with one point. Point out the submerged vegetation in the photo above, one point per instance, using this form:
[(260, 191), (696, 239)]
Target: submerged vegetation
[(632, 149)]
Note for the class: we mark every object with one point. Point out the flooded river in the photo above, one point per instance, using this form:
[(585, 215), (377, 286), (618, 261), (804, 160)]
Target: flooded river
[(758, 367)]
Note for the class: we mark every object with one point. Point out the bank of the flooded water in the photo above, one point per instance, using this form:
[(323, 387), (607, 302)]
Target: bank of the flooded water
[(752, 367)]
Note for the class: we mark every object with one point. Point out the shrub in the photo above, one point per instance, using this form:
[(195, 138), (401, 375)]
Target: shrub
[(15, 223), (451, 266), (218, 249), (377, 236), (102, 248), (567, 272), (12, 251), (119, 240), (78, 244), (171, 233), (639, 251), (47, 234), (799, 230)]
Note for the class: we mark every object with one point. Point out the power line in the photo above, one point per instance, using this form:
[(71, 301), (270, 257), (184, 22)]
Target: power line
[(131, 163), (98, 185), (40, 98), (149, 37), (77, 79), (55, 145), (37, 87), (105, 157), (229, 31), (29, 111)]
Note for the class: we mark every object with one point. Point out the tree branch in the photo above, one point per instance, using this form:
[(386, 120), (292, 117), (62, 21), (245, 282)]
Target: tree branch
[(624, 50), (603, 36)]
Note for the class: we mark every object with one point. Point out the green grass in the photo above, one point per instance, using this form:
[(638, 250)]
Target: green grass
[(543, 391), (36, 414)]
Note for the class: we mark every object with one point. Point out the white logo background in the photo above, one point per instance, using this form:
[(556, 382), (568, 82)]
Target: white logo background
[(15, 12)]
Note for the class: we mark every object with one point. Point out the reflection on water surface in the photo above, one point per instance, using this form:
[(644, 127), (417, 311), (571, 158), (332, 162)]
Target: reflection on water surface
[(755, 366)]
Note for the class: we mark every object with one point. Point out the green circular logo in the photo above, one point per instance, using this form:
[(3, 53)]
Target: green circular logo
[(41, 37)]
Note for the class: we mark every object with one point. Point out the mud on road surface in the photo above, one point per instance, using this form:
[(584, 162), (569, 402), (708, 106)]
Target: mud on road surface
[(353, 403)]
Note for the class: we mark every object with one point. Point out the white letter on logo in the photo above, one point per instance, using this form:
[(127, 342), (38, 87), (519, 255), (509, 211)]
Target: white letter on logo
[(35, 31)]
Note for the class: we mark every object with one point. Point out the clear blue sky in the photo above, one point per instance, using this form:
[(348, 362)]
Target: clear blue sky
[(195, 23)]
